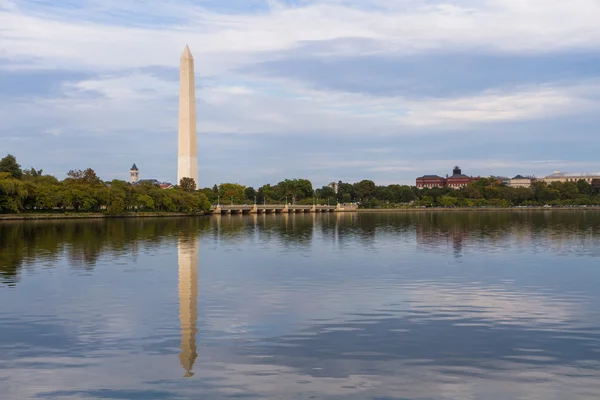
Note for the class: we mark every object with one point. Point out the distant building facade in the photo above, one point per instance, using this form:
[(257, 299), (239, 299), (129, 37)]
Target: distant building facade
[(334, 186), (430, 181), (557, 176), (456, 181), (520, 181), (134, 174)]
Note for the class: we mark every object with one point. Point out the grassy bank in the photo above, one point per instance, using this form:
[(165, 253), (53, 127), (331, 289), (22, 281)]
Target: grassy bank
[(82, 215)]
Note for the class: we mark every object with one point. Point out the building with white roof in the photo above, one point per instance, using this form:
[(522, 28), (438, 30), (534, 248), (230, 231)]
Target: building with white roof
[(562, 177), (520, 181)]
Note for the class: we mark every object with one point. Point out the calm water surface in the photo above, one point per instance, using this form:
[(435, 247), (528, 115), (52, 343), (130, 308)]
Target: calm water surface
[(348, 306)]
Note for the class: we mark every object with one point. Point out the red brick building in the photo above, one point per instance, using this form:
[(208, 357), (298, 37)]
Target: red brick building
[(430, 181), (456, 181)]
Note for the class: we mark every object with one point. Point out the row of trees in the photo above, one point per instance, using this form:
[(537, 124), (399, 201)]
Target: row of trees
[(22, 190), (300, 191), (490, 192), (486, 192)]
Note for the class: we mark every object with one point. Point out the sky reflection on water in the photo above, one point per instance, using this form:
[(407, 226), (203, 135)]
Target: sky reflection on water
[(377, 306)]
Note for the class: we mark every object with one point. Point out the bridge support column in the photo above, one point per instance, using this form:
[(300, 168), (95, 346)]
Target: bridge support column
[(313, 209), (285, 209), (217, 210), (254, 210)]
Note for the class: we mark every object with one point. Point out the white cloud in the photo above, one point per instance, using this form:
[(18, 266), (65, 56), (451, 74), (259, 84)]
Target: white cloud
[(144, 101), (48, 39), (224, 41), (530, 103)]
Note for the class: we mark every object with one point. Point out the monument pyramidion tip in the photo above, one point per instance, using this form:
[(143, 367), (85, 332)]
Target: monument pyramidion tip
[(187, 53)]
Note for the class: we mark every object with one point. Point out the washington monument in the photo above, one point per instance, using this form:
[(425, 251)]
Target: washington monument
[(188, 151)]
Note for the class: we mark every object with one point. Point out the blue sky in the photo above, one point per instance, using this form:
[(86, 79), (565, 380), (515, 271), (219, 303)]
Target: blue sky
[(320, 89)]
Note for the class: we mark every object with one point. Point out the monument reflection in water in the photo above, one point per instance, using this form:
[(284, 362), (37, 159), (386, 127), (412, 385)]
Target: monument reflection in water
[(188, 300)]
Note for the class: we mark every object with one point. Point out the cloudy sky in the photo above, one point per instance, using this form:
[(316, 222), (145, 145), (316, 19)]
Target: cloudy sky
[(320, 89)]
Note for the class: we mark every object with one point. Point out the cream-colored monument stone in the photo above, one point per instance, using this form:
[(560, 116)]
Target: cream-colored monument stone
[(188, 301), (188, 150)]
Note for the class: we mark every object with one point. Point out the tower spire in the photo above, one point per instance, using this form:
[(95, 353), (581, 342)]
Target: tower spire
[(134, 174)]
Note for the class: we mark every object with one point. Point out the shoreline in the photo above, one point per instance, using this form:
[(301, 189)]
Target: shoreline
[(39, 217), (473, 209)]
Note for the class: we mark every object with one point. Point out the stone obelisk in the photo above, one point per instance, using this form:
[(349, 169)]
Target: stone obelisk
[(188, 151)]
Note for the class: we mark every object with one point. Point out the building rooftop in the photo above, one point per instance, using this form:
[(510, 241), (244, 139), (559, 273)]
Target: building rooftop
[(156, 182), (430, 177), (134, 167), (558, 174), (153, 181), (457, 173)]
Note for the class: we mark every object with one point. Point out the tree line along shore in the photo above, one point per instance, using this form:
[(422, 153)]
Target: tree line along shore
[(26, 191)]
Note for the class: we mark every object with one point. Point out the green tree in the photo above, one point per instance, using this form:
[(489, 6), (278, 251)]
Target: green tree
[(250, 194), (384, 193), (9, 165), (145, 202), (583, 187), (187, 184), (86, 177), (447, 201), (326, 192), (364, 189), (232, 191), (210, 194), (13, 193), (203, 203), (426, 201), (46, 197), (345, 189), (267, 193), (116, 206), (294, 189), (31, 174)]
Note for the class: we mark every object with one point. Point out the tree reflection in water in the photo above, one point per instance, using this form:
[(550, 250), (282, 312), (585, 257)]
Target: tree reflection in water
[(24, 244)]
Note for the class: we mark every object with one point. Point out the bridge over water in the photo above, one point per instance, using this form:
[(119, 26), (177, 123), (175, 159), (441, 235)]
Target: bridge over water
[(279, 208)]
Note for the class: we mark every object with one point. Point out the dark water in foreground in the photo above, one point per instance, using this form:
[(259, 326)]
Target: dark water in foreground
[(363, 306)]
